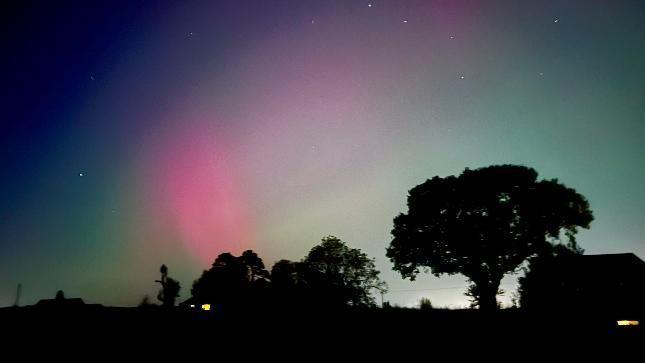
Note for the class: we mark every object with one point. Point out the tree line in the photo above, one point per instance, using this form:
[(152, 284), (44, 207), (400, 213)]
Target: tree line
[(332, 275), (483, 224)]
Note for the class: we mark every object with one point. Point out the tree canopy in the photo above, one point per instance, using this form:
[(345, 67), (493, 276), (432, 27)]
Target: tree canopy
[(342, 275), (232, 281), (332, 275), (286, 275), (484, 224), (536, 287)]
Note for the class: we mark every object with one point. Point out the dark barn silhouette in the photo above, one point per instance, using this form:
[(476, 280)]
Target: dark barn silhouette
[(608, 284)]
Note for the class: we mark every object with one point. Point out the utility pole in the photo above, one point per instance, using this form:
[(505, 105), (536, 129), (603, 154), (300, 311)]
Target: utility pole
[(18, 293)]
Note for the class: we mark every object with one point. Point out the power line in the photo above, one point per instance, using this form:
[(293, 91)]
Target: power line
[(440, 288)]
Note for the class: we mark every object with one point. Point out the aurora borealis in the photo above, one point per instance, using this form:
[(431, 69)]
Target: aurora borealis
[(140, 133)]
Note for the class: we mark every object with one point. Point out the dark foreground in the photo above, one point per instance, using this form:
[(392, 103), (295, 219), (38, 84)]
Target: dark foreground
[(363, 332)]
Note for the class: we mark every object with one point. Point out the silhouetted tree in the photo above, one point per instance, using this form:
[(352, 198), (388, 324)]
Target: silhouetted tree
[(286, 275), (340, 276), (538, 287), (169, 288), (425, 304), (60, 295), (232, 281), (289, 288), (484, 224), (254, 266)]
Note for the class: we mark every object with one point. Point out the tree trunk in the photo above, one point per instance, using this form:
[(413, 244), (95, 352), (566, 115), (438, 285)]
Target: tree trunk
[(488, 296), (487, 302)]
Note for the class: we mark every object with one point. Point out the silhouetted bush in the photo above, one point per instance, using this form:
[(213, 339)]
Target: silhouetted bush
[(425, 304)]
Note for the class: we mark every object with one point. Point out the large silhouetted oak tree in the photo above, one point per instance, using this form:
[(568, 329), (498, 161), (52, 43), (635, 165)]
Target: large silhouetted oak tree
[(484, 224)]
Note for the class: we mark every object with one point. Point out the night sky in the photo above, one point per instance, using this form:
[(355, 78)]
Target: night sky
[(135, 134)]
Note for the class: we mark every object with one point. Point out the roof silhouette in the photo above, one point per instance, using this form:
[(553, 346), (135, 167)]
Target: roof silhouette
[(611, 266)]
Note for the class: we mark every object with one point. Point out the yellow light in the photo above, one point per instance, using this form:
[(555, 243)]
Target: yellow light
[(627, 322), (206, 307)]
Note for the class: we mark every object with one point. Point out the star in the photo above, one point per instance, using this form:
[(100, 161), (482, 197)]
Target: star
[(462, 77), (312, 21), (452, 37), (556, 20), (91, 78), (405, 20), (541, 73), (369, 5), (81, 174)]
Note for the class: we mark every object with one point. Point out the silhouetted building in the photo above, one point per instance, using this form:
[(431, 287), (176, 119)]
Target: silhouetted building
[(61, 302), (610, 283), (72, 302)]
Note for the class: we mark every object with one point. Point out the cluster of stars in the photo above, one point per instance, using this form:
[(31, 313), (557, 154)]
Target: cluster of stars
[(369, 5)]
